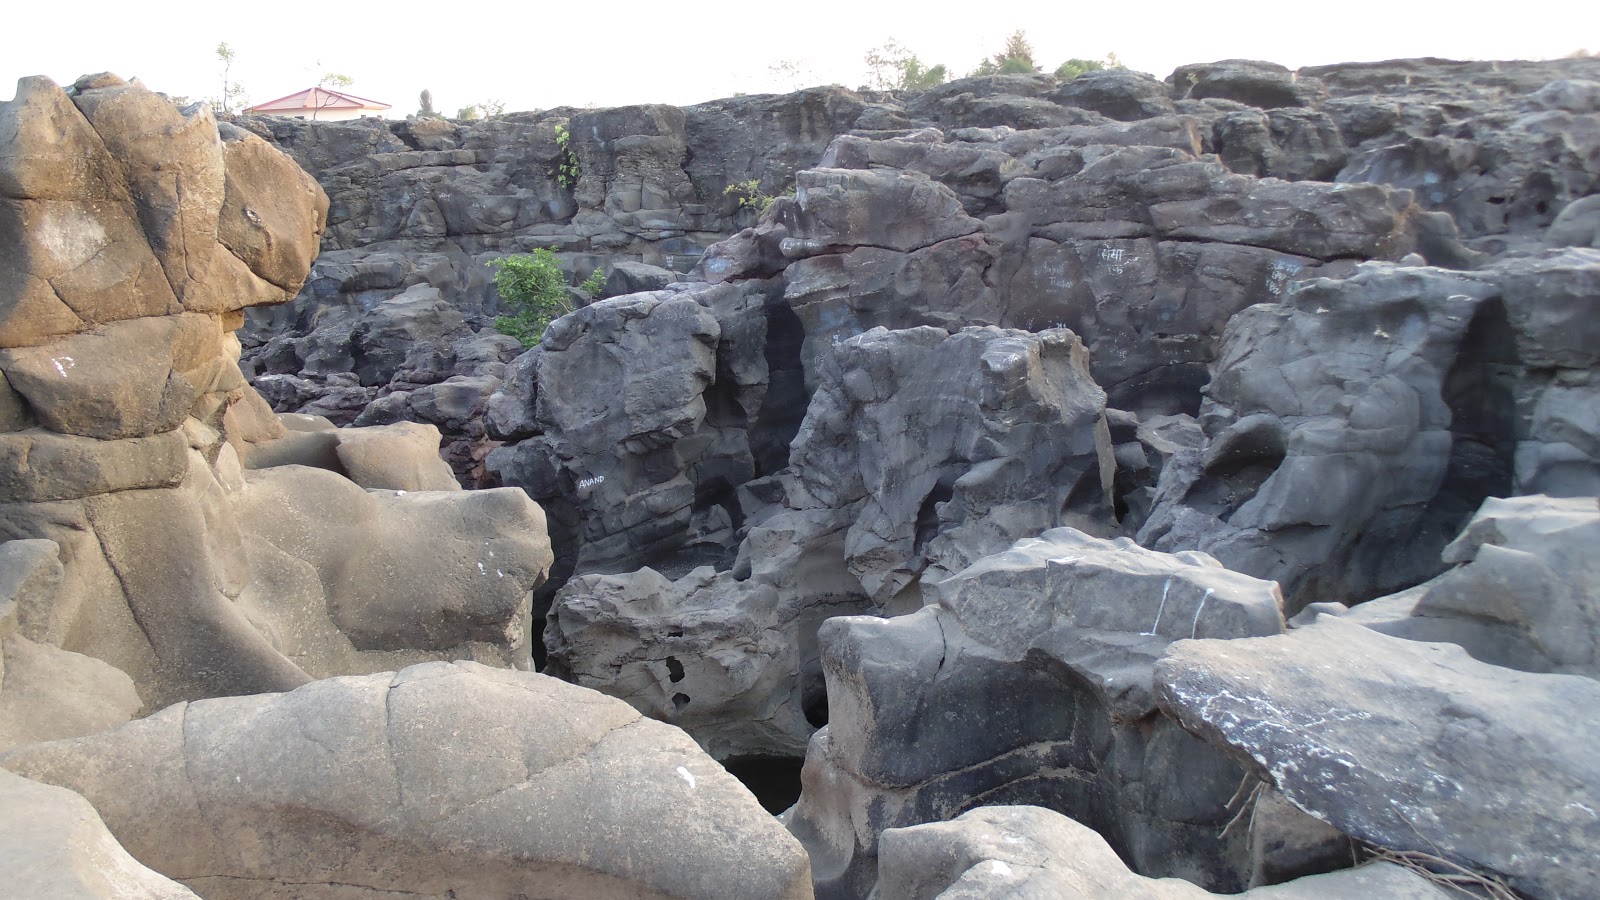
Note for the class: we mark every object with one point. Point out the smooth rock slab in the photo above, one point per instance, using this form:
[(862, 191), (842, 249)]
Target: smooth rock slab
[(1408, 745), (441, 778), (53, 845), (1029, 853)]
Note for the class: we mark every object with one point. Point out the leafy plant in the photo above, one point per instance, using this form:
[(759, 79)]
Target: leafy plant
[(330, 79), (534, 290), (232, 91), (894, 68), (752, 197), (1016, 58), (1072, 68), (594, 284), (567, 171)]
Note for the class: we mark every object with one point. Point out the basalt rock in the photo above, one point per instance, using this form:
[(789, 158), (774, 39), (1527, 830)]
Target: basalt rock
[(1377, 750), (1036, 663), (867, 517), (1376, 412)]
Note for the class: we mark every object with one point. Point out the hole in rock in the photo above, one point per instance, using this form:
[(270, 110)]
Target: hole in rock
[(928, 514), (675, 674), (816, 709), (679, 701), (785, 404), (775, 780)]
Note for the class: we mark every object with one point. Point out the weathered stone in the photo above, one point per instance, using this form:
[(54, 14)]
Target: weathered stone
[(54, 844), (123, 380), (399, 457), (1407, 745), (1034, 854), (38, 465), (439, 778), (851, 208), (1036, 663)]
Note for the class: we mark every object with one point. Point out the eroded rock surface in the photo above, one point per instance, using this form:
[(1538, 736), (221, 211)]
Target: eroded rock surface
[(441, 778), (1409, 747), (164, 540), (1033, 853), (53, 844), (1036, 664)]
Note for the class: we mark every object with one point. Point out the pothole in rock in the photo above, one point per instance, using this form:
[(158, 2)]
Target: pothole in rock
[(775, 780)]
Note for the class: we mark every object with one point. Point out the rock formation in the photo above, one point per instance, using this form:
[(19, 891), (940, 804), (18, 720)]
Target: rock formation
[(440, 779), (168, 537), (1025, 851), (1211, 461), (53, 844)]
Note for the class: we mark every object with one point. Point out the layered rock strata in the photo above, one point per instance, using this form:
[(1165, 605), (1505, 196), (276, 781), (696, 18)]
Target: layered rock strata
[(167, 537)]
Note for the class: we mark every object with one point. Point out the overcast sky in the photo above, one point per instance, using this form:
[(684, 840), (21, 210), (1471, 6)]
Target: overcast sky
[(535, 55)]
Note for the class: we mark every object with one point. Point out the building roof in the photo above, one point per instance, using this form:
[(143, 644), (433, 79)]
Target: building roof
[(317, 98)]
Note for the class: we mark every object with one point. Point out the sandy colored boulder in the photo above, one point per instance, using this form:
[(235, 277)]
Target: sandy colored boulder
[(54, 845), (441, 778)]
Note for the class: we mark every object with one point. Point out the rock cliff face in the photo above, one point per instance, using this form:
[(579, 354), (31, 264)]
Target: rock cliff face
[(1502, 148)]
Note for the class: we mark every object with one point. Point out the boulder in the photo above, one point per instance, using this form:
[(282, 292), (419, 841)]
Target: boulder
[(53, 844), (1376, 735), (1029, 852), (440, 778), (1036, 664), (1520, 593)]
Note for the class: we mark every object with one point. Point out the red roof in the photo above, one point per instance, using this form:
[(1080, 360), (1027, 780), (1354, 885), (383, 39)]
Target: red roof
[(316, 98)]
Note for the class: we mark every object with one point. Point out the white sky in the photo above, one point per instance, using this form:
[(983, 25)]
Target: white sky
[(534, 55)]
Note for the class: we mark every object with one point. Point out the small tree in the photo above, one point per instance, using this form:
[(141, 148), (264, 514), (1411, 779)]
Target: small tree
[(535, 291), (231, 90), (330, 79), (894, 68), (1016, 58), (425, 104)]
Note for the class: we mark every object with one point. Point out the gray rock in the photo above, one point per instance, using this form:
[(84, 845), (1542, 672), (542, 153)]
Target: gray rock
[(1036, 664), (1318, 462), (1383, 750), (895, 211), (441, 778), (1578, 224), (947, 472), (1520, 595), (1260, 84), (1034, 854)]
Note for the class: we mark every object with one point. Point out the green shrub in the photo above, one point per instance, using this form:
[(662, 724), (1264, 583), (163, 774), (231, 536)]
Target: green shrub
[(534, 290), (567, 171), (752, 197)]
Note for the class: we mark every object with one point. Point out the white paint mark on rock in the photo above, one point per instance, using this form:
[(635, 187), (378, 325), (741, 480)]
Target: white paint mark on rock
[(1000, 868), (687, 776), (62, 364), (1195, 629), (1162, 608)]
